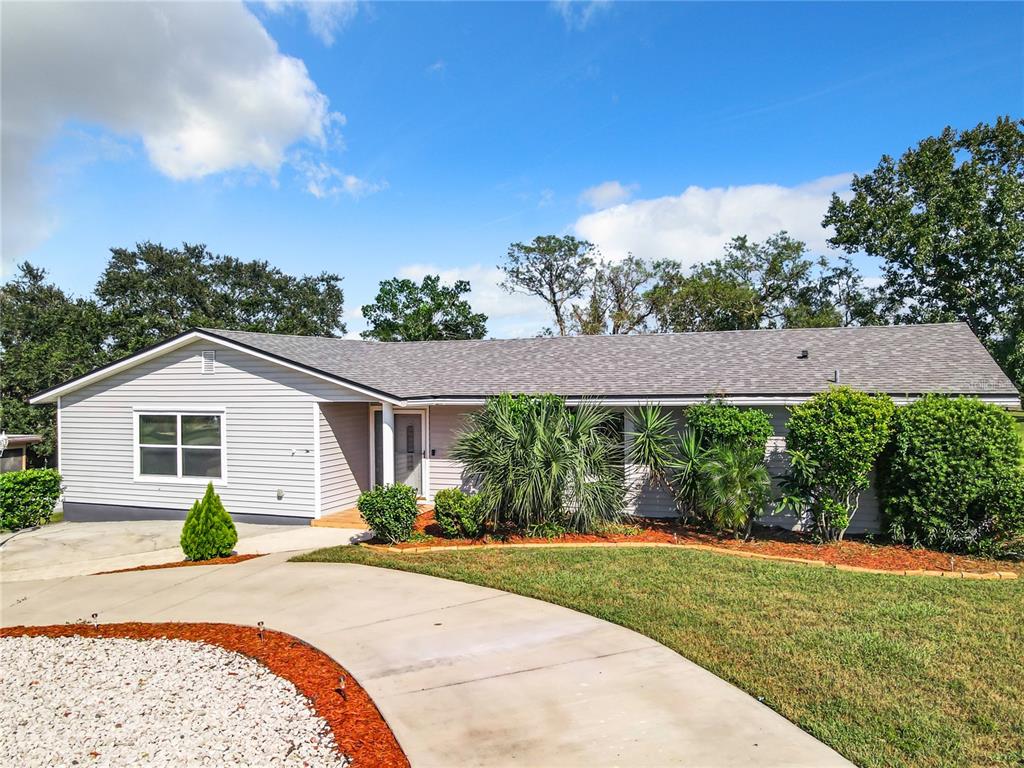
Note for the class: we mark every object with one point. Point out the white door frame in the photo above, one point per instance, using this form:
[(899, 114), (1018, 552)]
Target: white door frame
[(424, 414)]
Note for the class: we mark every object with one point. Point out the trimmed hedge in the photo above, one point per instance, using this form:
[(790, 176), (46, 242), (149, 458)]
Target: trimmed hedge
[(721, 424), (390, 510), (27, 498), (458, 514), (209, 530), (833, 441), (949, 472)]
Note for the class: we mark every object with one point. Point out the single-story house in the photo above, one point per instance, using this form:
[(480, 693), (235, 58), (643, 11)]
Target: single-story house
[(291, 428)]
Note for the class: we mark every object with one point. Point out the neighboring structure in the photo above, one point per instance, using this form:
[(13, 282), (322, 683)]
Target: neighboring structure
[(290, 428), (14, 451)]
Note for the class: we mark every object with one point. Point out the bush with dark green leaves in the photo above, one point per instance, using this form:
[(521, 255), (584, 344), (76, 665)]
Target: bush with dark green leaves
[(719, 424), (457, 514), (833, 441), (27, 498), (209, 531), (390, 510), (949, 473)]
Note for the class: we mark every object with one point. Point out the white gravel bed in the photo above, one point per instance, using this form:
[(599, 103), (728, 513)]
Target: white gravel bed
[(114, 702)]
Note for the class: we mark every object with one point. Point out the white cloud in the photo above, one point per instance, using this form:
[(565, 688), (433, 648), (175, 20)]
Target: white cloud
[(437, 68), (607, 194), (326, 18), (324, 180), (508, 315), (201, 86), (577, 14), (694, 226)]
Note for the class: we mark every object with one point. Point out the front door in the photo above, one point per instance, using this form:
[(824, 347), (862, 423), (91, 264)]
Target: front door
[(409, 450)]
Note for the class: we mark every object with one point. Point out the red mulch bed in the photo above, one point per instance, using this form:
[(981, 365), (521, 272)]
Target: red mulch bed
[(184, 563), (765, 541), (359, 730)]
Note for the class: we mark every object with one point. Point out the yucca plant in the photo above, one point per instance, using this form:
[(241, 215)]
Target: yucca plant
[(536, 461)]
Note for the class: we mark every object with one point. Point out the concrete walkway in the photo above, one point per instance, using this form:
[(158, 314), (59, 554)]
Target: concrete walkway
[(464, 675), (79, 549)]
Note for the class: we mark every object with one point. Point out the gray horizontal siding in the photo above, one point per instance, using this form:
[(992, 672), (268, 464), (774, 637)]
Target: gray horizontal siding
[(446, 421), (270, 432), (344, 454)]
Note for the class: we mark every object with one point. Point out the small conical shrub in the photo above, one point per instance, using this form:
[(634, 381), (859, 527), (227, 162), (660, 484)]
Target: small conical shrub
[(208, 531)]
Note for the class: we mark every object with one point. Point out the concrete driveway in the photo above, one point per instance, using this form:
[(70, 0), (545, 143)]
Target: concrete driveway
[(464, 675), (77, 549)]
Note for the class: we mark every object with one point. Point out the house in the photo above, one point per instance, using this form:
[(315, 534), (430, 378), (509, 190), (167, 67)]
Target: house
[(291, 428), (14, 451)]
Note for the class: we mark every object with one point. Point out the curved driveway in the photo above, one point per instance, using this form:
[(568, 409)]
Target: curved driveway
[(465, 675)]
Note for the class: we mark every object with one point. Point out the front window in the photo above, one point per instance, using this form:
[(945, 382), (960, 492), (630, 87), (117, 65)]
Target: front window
[(181, 445)]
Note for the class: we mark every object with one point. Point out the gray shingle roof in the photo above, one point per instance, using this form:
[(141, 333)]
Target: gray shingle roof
[(900, 360)]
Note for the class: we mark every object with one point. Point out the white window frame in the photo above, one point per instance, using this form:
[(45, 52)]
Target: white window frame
[(202, 410)]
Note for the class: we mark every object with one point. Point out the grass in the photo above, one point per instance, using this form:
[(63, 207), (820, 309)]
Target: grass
[(888, 670)]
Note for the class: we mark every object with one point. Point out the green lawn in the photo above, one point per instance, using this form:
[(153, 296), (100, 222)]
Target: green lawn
[(888, 670)]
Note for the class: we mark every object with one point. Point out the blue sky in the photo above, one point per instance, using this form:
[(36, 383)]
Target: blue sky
[(381, 139)]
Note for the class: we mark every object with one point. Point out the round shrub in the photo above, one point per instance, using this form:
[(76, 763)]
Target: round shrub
[(948, 457), (390, 510), (1001, 512), (208, 531), (458, 514), (721, 424), (27, 498), (833, 441)]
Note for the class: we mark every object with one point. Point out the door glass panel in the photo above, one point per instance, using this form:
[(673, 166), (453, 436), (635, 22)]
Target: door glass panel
[(409, 450), (200, 430), (158, 429)]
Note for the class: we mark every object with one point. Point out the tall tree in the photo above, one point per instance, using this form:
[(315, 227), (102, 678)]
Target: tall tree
[(775, 284), (555, 269), (405, 311), (46, 338), (947, 219), (618, 301), (153, 292)]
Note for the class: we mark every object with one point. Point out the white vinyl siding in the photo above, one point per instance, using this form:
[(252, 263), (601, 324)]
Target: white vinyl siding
[(446, 421), (269, 432), (344, 454)]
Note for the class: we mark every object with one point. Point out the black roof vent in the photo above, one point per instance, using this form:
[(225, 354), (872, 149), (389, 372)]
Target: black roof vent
[(804, 354)]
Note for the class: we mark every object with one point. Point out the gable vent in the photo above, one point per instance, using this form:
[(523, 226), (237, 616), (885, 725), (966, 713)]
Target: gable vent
[(209, 361)]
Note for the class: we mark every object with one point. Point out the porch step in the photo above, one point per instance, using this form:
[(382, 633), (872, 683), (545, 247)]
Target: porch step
[(350, 518), (346, 518)]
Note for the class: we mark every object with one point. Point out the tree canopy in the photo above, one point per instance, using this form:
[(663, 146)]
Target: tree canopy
[(774, 284), (555, 269), (46, 337), (947, 221), (430, 311), (153, 292)]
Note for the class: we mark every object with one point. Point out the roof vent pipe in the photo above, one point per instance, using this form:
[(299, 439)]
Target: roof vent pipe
[(804, 354), (835, 376)]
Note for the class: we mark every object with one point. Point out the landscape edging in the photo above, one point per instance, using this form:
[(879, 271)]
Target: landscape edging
[(988, 576)]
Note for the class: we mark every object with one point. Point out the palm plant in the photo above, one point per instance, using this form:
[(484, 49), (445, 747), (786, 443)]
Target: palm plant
[(536, 461), (735, 486), (725, 486)]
